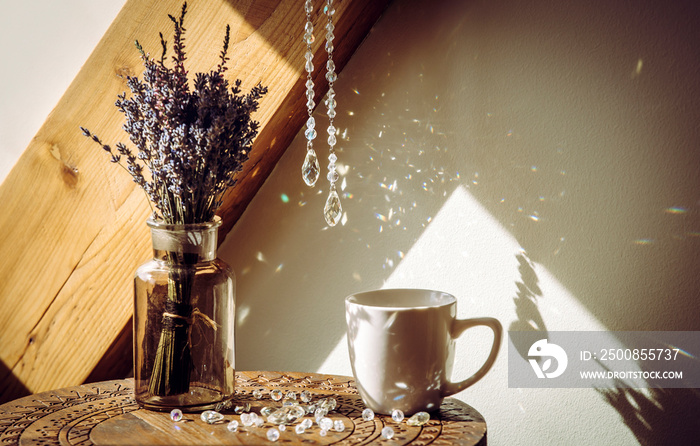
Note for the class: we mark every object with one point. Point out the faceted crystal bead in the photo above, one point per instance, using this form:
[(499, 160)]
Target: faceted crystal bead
[(330, 26), (211, 417), (397, 415), (248, 419), (309, 27), (331, 76), (418, 419), (310, 124), (333, 210), (331, 103), (338, 425), (296, 412), (310, 104), (266, 411), (307, 423), (257, 394), (332, 158), (330, 65), (309, 66), (332, 176), (368, 414), (332, 140), (331, 130), (305, 395), (310, 134), (309, 38), (388, 433), (308, 7), (288, 402), (311, 168), (308, 55), (232, 426), (329, 47), (176, 415), (299, 429), (320, 413), (291, 395), (282, 427), (276, 394), (330, 36), (309, 84), (325, 423), (331, 113), (273, 434), (258, 422)]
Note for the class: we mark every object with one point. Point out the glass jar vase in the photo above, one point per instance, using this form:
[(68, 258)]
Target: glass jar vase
[(184, 320)]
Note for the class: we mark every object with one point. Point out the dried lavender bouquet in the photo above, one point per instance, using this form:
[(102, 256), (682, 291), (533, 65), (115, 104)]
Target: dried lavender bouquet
[(190, 141)]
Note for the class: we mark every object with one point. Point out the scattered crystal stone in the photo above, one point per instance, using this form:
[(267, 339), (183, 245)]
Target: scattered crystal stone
[(338, 425), (288, 402), (282, 427), (307, 423), (368, 415), (299, 429), (325, 423), (323, 432), (311, 408), (232, 426), (211, 416), (257, 394), (418, 419), (224, 405), (258, 422), (320, 412), (247, 419), (273, 434), (176, 415), (333, 210), (296, 412), (241, 409), (277, 417), (397, 415), (276, 394), (291, 395), (388, 433), (305, 396), (266, 411)]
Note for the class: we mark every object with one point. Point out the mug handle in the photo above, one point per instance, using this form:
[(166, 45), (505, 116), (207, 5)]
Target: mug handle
[(459, 326)]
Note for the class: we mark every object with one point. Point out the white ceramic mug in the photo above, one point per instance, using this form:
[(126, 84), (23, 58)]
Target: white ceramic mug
[(401, 344)]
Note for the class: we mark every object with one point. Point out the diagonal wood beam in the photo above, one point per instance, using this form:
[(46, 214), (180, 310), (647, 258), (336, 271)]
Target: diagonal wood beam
[(72, 226)]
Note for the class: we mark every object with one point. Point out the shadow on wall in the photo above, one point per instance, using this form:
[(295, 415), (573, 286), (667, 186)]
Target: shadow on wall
[(658, 416)]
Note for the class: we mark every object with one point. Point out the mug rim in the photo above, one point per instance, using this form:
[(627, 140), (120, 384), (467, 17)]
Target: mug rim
[(449, 299)]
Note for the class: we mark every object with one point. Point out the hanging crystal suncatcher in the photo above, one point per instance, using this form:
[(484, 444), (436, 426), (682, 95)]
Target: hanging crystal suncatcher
[(333, 210), (310, 169)]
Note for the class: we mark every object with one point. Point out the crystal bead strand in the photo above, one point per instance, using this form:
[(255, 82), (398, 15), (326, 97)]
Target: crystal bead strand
[(332, 211), (310, 169)]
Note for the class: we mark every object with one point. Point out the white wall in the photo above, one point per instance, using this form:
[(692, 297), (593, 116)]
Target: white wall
[(537, 159), (43, 44)]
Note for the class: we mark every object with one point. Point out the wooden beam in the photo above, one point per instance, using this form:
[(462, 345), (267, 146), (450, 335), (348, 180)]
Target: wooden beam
[(72, 226)]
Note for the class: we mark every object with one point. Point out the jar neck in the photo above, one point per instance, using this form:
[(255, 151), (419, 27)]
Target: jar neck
[(184, 243)]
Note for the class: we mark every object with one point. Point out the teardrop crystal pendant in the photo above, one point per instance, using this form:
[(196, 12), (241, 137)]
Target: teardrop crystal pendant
[(311, 168), (333, 210)]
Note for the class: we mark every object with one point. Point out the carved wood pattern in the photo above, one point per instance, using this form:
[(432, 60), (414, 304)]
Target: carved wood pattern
[(106, 413)]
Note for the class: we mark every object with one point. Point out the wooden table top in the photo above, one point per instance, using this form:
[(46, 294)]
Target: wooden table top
[(106, 413)]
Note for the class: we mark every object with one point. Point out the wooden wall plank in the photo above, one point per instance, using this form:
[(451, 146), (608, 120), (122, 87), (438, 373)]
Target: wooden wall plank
[(72, 226)]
